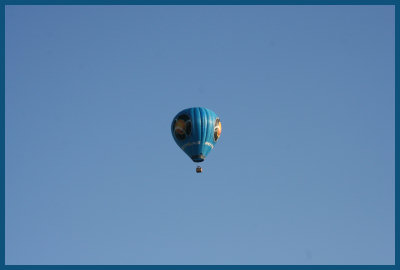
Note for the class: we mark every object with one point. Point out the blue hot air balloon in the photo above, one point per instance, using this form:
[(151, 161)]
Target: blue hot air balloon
[(196, 131)]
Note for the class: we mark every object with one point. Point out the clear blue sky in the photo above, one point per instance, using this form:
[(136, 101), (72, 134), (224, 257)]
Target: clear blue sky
[(303, 172)]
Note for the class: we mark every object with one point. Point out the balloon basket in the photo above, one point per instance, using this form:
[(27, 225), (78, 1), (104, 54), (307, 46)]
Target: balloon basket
[(199, 169)]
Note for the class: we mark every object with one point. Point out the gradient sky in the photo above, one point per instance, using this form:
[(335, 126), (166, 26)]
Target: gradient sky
[(303, 172)]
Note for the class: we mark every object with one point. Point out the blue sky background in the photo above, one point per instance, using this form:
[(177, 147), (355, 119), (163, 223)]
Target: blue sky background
[(303, 172)]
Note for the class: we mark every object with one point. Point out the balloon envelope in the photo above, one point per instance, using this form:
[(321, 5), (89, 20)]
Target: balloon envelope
[(196, 131)]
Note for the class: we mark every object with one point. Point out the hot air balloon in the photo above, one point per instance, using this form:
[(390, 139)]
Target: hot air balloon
[(196, 131)]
